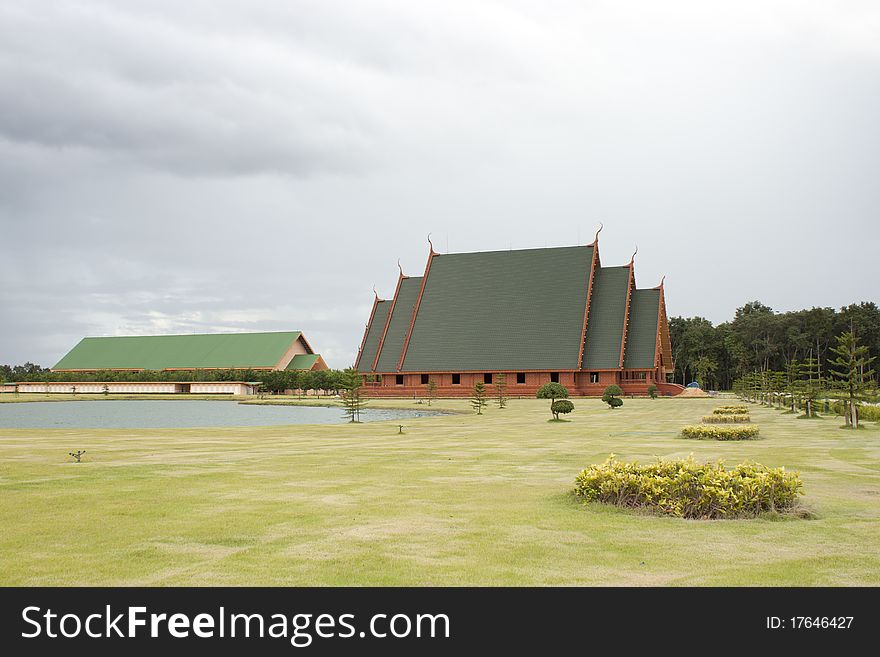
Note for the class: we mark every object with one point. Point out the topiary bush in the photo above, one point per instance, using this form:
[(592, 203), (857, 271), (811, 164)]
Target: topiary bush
[(703, 432), (611, 396), (561, 406), (722, 419), (730, 410), (686, 489), (552, 391), (652, 391)]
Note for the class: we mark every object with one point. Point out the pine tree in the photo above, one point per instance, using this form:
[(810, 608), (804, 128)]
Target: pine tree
[(776, 381), (431, 391), (501, 390), (353, 401), (810, 383), (792, 384), (852, 370), (478, 400)]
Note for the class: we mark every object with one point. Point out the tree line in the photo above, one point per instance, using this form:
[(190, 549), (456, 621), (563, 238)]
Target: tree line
[(758, 339), (272, 381)]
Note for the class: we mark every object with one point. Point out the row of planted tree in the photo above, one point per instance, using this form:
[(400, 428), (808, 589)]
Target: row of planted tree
[(844, 388), (272, 381)]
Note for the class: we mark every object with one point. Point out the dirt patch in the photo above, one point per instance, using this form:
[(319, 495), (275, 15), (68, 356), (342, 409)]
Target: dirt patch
[(692, 392)]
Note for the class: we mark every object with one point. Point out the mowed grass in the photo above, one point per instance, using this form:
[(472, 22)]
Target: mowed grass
[(456, 500)]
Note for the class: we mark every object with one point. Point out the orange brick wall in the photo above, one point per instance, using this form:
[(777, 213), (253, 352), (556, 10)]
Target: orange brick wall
[(578, 384)]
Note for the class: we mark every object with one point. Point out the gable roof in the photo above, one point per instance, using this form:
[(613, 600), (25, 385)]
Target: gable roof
[(641, 335), (372, 336), (500, 310), (302, 362), (607, 315), (398, 323), (160, 352)]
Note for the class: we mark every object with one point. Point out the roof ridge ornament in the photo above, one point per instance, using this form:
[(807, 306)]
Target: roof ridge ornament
[(431, 245), (596, 239), (400, 268), (631, 260), (374, 292)]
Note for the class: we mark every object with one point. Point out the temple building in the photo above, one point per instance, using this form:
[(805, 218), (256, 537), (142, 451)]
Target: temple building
[(533, 315)]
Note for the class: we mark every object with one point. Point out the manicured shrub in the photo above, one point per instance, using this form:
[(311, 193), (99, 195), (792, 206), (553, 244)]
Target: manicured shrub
[(730, 410), (552, 391), (722, 419), (686, 489), (704, 432), (866, 413), (611, 396), (561, 406), (652, 391)]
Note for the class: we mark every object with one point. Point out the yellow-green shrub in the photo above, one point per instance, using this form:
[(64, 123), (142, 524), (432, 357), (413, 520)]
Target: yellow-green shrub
[(866, 413), (730, 410), (687, 489), (703, 432), (716, 419)]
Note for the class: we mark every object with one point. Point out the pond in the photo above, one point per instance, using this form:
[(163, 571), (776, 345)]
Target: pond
[(148, 414)]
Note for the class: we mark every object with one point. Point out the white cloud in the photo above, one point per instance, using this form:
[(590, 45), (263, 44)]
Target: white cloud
[(219, 165)]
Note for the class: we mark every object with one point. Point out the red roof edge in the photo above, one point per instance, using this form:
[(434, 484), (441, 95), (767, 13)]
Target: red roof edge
[(357, 361), (412, 321), (593, 264), (388, 320), (629, 289)]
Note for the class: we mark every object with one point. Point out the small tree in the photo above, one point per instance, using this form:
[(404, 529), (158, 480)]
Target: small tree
[(705, 367), (776, 382), (852, 370), (501, 390), (431, 391), (478, 399), (552, 391), (810, 384), (792, 385), (561, 406), (353, 401), (611, 396), (652, 391)]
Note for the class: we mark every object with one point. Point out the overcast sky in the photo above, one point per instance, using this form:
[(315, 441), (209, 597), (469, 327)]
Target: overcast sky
[(225, 166)]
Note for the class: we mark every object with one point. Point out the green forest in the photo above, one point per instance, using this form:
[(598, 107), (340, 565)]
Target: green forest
[(758, 339)]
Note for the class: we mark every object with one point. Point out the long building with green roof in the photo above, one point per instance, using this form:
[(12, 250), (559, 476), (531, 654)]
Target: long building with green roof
[(279, 350), (531, 316)]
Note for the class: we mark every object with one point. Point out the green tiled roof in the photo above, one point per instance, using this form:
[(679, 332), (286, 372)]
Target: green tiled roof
[(605, 323), (401, 317), (374, 332), (158, 352), (641, 335), (500, 310), (302, 362)]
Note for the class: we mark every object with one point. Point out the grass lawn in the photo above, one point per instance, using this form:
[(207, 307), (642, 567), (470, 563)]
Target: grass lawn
[(456, 500)]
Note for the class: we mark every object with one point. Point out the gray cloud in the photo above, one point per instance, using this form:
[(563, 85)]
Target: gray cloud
[(191, 166)]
